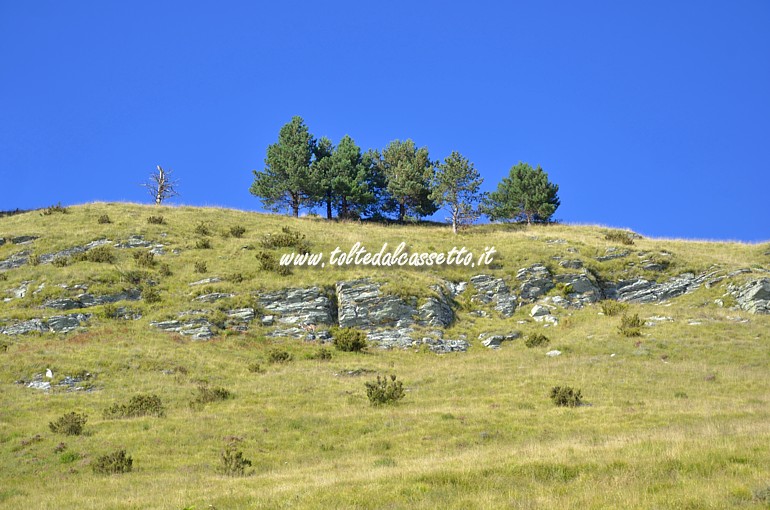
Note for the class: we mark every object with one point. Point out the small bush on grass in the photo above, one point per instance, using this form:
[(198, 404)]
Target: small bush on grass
[(256, 368), (144, 258), (612, 308), (139, 405), (384, 391), (206, 395), (164, 270), (113, 463), (69, 457), (3, 277), (202, 229), (201, 266), (232, 461), (322, 354), (618, 236), (536, 340), (55, 209), (150, 294), (268, 262), (203, 244), (279, 356), (33, 259), (565, 396), (70, 424), (103, 219), (61, 261), (156, 220), (631, 325), (101, 254), (287, 238), (237, 231), (348, 339)]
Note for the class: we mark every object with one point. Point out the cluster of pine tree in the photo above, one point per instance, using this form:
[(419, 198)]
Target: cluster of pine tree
[(401, 180)]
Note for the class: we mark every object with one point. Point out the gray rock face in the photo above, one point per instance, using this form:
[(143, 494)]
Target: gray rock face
[(361, 304), (494, 290), (23, 239), (753, 296), (437, 311), (197, 328), (241, 315), (583, 288), (50, 257), (55, 324), (2, 241), (304, 306), (206, 281), (536, 281), (613, 253), (136, 241), (88, 300), (571, 264), (14, 261), (494, 341), (214, 296), (640, 290)]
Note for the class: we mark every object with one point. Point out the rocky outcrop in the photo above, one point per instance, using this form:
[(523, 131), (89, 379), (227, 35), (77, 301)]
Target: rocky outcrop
[(50, 257), (495, 340), (54, 324), (199, 328), (639, 290), (437, 310), (23, 239), (14, 261), (536, 282), (88, 300), (300, 306), (581, 289), (214, 296), (753, 296), (138, 241), (613, 253), (494, 290), (361, 304)]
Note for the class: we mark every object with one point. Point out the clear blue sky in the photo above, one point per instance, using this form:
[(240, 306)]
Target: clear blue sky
[(649, 115)]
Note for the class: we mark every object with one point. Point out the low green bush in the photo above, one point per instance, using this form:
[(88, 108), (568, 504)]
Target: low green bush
[(384, 391), (70, 424), (138, 405), (631, 325), (202, 229), (113, 463), (103, 254), (279, 356), (536, 340), (237, 231), (144, 258), (201, 266), (103, 219), (206, 395), (156, 220), (55, 209), (232, 461), (268, 262), (619, 236), (612, 308), (348, 339), (565, 396), (203, 244)]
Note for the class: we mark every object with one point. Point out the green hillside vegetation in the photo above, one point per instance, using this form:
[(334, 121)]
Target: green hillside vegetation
[(676, 417)]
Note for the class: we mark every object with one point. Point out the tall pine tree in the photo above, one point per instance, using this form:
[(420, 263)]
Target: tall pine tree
[(526, 194), (456, 188), (408, 173)]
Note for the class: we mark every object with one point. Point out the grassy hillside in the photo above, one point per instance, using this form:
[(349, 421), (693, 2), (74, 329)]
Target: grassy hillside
[(678, 417)]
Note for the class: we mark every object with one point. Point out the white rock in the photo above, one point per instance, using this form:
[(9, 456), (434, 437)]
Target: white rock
[(553, 353)]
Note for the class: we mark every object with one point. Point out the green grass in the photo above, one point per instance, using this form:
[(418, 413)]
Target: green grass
[(474, 430)]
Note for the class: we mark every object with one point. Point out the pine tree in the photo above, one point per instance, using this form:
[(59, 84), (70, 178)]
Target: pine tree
[(408, 172), (526, 194), (456, 188)]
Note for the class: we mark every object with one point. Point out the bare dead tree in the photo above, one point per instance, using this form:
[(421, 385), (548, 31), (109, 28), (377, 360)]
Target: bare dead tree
[(161, 186)]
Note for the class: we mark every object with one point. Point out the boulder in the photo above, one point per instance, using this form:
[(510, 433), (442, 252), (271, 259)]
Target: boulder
[(87, 300), (553, 353), (494, 290), (571, 264), (50, 257), (66, 323), (753, 296), (300, 306), (14, 261), (494, 341), (23, 239), (583, 289), (613, 253), (437, 310), (536, 282), (639, 290), (24, 327), (214, 296), (198, 329), (361, 304)]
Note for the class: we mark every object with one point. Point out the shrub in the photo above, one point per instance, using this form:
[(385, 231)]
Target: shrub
[(268, 262), (55, 209), (165, 270), (233, 463), (287, 238), (200, 266), (619, 236), (101, 254), (3, 347), (156, 220), (33, 259), (144, 258), (150, 294), (70, 424), (279, 356), (108, 311), (536, 340), (3, 277), (384, 391), (202, 229), (630, 325), (611, 308), (206, 395), (103, 219), (61, 261), (139, 405), (348, 339), (322, 354), (69, 457), (565, 396), (113, 463), (237, 231), (234, 278), (256, 368), (203, 244)]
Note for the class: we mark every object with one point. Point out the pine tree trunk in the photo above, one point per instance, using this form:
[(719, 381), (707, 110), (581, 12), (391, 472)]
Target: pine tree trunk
[(344, 207), (401, 212), (328, 205)]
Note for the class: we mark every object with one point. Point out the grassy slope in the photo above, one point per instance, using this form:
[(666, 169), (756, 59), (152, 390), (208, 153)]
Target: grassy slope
[(476, 430)]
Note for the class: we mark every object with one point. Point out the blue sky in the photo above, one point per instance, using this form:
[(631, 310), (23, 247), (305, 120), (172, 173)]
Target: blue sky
[(649, 115)]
